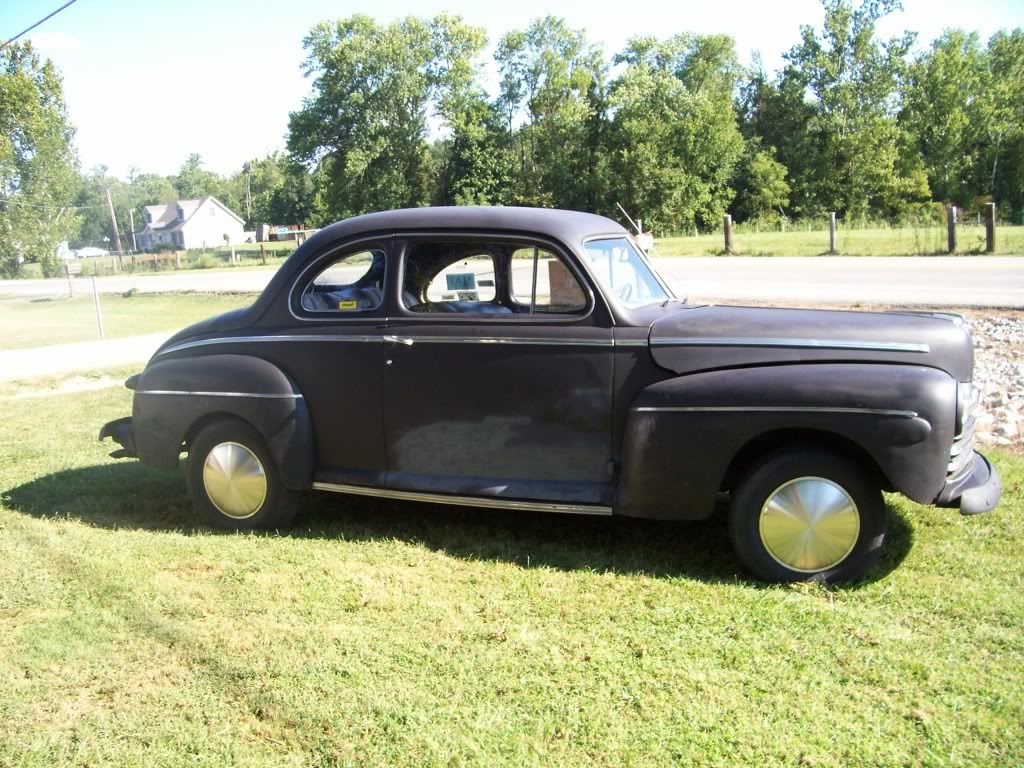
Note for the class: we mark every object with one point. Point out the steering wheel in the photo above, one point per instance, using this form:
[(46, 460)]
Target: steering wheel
[(625, 292)]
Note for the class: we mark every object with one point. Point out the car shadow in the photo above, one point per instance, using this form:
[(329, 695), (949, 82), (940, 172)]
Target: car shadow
[(130, 495)]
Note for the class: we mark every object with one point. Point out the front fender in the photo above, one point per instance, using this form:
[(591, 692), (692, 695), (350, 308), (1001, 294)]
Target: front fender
[(682, 434), (175, 397)]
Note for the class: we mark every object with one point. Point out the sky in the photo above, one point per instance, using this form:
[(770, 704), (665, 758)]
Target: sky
[(148, 83)]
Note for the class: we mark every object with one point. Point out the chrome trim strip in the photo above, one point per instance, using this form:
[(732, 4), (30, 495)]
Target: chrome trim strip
[(393, 339), (534, 340), (466, 501), (270, 338), (711, 341), (259, 395), (772, 409), (557, 342)]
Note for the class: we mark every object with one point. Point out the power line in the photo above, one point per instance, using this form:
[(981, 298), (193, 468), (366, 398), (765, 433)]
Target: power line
[(29, 29)]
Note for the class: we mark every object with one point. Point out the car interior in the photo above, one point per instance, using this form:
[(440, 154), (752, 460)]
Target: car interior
[(452, 277)]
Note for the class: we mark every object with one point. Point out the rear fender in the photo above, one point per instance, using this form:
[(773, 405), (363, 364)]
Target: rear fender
[(682, 435), (175, 398)]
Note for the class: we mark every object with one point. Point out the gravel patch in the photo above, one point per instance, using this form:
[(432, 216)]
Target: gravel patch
[(999, 373)]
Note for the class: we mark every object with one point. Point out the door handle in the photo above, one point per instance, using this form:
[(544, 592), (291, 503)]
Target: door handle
[(399, 340)]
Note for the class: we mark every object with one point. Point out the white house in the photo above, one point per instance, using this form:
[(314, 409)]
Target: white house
[(199, 223)]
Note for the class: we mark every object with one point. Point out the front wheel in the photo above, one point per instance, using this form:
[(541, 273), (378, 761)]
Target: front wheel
[(233, 480), (807, 516)]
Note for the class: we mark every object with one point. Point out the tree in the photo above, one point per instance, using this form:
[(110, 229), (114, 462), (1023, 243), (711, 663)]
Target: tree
[(559, 79), (674, 139), (1005, 113), (38, 164), (364, 128), (91, 200), (850, 134), (944, 111), (475, 164), (764, 191), (193, 181), (293, 200)]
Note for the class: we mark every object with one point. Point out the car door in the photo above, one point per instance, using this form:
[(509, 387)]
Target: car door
[(334, 350), (498, 378)]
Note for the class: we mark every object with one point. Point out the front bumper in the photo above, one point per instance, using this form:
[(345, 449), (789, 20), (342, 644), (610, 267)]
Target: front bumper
[(121, 432), (975, 491)]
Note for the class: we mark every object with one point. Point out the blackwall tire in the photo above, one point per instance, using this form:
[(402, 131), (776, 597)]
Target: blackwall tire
[(234, 482), (807, 516)]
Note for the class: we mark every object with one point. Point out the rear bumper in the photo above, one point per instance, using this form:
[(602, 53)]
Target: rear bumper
[(973, 492), (120, 430)]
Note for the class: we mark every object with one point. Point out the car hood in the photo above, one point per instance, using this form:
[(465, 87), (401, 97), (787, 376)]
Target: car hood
[(706, 338)]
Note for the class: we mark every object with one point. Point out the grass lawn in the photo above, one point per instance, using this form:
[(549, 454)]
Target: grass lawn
[(32, 322), (385, 633), (908, 241)]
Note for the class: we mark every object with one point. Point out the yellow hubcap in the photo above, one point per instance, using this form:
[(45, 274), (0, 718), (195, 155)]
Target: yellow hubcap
[(809, 524), (234, 480)]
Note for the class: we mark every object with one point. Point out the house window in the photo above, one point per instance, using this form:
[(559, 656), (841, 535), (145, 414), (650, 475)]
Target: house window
[(212, 211), (181, 213)]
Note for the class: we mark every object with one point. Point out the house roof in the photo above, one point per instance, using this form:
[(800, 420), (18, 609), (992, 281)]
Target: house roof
[(164, 217)]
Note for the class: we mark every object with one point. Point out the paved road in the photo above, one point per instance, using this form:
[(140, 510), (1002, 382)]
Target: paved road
[(77, 356), (993, 281)]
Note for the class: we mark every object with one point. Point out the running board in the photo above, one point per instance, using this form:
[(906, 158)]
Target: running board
[(467, 501)]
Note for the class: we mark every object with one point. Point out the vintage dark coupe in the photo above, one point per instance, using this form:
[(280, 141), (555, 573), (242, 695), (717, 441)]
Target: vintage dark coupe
[(534, 360)]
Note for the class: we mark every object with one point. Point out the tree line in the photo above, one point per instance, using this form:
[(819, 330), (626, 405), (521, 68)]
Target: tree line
[(674, 129)]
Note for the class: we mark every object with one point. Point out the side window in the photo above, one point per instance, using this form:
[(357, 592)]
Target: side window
[(543, 283), (352, 283), (452, 277)]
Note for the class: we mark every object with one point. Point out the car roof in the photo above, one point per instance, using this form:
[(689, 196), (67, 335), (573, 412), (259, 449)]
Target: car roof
[(568, 226)]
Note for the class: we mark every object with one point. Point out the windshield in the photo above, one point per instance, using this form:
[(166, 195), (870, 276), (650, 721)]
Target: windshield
[(624, 273)]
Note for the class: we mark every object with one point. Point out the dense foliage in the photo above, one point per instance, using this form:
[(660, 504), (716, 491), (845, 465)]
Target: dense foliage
[(672, 128)]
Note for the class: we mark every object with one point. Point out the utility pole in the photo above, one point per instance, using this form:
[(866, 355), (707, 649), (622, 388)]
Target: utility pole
[(113, 223), (248, 191), (131, 218)]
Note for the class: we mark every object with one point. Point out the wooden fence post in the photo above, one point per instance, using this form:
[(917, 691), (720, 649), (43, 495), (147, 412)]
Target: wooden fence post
[(951, 229), (990, 228), (727, 225), (263, 254), (177, 259), (832, 233)]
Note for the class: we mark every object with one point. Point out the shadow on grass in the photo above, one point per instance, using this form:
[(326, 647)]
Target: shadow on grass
[(132, 496)]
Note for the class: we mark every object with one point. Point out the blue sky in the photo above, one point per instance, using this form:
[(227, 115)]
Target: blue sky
[(148, 83)]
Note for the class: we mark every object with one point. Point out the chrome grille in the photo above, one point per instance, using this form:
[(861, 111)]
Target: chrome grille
[(962, 451)]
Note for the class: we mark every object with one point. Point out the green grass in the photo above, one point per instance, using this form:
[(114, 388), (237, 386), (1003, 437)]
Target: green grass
[(31, 322), (906, 241), (385, 633)]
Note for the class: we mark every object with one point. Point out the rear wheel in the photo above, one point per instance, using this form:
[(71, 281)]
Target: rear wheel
[(807, 516), (233, 480)]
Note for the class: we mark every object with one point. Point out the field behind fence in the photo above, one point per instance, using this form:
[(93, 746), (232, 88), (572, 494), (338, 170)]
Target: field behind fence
[(850, 241)]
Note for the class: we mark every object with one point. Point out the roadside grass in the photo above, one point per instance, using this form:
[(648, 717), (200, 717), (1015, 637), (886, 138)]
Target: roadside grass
[(385, 633), (33, 322), (904, 241)]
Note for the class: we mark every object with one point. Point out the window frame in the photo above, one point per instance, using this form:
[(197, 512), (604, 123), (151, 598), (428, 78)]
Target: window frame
[(322, 262), (612, 301), (408, 240)]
